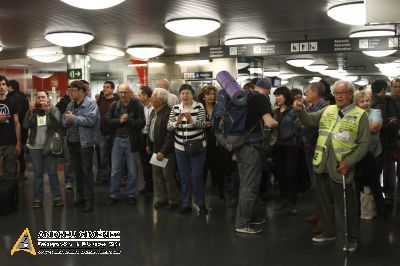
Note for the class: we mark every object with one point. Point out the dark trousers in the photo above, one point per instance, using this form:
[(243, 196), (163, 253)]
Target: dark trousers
[(216, 166), (330, 194), (286, 171), (81, 160), (146, 166)]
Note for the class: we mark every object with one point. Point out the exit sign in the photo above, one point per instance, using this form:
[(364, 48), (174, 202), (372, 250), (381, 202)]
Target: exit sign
[(75, 73)]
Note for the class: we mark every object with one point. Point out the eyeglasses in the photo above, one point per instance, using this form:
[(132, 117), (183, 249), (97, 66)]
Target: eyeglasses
[(340, 93)]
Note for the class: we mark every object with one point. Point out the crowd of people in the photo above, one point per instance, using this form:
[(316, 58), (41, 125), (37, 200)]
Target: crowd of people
[(324, 139)]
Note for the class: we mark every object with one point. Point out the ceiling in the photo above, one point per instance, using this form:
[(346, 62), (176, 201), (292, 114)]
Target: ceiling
[(23, 25)]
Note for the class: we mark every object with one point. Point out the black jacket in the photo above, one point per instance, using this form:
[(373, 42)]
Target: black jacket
[(163, 139), (136, 121)]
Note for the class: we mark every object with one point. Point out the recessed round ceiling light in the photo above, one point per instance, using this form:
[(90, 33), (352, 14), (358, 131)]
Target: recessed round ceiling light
[(380, 53), (144, 52), (300, 62), (245, 40), (362, 82), (352, 13), (43, 75), (192, 27), (69, 38), (271, 73), (104, 53), (93, 4), (316, 67), (371, 33)]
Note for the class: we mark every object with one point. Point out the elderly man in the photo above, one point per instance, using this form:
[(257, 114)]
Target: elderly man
[(172, 98), (161, 142), (343, 141), (126, 119)]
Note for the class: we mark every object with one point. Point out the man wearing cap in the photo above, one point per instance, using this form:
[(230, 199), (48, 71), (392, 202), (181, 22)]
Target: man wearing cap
[(249, 157)]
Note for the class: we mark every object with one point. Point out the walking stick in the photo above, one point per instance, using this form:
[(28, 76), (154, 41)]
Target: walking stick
[(346, 235)]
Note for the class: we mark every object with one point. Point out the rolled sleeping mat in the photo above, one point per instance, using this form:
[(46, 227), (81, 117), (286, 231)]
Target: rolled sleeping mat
[(232, 88)]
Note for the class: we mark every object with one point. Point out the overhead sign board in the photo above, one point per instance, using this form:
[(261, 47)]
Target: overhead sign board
[(198, 75), (337, 45), (74, 73)]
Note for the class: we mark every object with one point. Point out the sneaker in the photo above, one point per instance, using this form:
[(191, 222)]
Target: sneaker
[(203, 210), (58, 202), (68, 186), (257, 221), (160, 204), (37, 205), (351, 247), (248, 230), (323, 238), (112, 201)]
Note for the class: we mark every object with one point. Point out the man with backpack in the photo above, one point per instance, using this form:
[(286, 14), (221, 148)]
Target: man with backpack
[(249, 156)]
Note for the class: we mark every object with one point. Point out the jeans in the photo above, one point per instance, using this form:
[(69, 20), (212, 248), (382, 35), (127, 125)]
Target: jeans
[(121, 152), (309, 154), (41, 162), (250, 170), (68, 171), (191, 167), (10, 167), (81, 159), (104, 169)]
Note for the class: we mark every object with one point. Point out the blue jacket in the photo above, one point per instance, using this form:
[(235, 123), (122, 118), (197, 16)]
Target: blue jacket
[(88, 121)]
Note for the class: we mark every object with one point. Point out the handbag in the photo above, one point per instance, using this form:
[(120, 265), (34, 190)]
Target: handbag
[(192, 146), (54, 144)]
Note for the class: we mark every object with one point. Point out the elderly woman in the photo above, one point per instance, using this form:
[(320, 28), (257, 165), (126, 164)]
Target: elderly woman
[(368, 169), (41, 120), (187, 120)]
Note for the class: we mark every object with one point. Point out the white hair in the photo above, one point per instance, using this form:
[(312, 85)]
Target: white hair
[(349, 85), (161, 94)]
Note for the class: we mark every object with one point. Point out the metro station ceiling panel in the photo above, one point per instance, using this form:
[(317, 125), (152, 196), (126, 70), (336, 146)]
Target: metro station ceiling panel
[(23, 24)]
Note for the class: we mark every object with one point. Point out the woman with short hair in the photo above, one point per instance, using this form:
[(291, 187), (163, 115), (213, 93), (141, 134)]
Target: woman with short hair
[(187, 120)]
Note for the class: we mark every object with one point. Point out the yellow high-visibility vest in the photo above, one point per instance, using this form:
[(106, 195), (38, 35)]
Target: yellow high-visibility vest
[(344, 134)]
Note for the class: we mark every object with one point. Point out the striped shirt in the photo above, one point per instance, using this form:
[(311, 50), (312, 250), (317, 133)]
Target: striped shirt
[(185, 130)]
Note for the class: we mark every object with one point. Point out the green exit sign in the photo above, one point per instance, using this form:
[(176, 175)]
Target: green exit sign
[(75, 73)]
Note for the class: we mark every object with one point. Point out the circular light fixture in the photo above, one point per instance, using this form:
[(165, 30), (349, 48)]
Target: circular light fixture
[(192, 27), (43, 75), (93, 4), (104, 53), (316, 67), (48, 58), (245, 40), (285, 75), (362, 82), (350, 78), (300, 62), (69, 38), (352, 13), (271, 73), (284, 82), (144, 52), (380, 53), (1, 48), (371, 33)]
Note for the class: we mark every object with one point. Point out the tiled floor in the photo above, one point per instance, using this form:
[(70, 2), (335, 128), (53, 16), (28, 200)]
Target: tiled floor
[(150, 237)]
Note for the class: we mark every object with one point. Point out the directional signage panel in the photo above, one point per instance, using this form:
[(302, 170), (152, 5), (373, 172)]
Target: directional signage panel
[(338, 45), (74, 73), (198, 75)]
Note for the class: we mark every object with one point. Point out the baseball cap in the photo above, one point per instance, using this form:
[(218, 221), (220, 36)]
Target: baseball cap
[(264, 83)]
